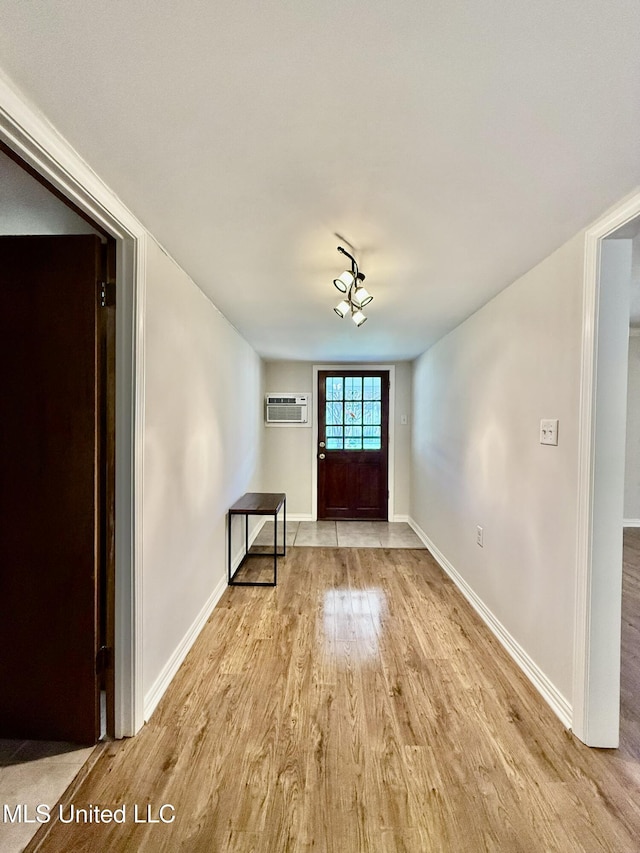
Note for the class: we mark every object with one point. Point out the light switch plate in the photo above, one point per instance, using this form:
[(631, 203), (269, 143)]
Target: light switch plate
[(549, 431)]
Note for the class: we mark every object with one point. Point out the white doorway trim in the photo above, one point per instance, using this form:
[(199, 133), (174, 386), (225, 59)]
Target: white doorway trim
[(314, 430), (30, 135), (596, 676)]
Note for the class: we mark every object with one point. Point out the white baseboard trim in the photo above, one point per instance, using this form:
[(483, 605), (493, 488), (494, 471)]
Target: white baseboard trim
[(307, 516), (631, 522), (174, 663), (556, 701), (301, 516), (161, 683)]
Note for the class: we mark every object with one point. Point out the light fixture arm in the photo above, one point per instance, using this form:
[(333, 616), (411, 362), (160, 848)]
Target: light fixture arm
[(354, 265)]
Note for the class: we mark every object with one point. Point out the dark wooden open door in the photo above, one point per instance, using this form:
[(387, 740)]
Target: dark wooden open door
[(49, 487), (107, 475), (353, 444)]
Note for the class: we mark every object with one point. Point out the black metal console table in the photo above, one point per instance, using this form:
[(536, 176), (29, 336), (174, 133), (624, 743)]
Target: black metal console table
[(259, 503)]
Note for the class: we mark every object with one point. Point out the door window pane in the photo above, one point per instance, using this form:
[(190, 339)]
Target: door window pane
[(352, 438), (351, 402), (334, 414), (353, 413), (372, 413), (372, 438), (335, 388), (353, 388), (372, 388), (334, 438)]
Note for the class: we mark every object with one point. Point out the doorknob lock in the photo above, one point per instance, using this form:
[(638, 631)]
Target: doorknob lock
[(321, 456)]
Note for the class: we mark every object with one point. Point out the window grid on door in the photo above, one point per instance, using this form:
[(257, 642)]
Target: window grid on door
[(353, 413)]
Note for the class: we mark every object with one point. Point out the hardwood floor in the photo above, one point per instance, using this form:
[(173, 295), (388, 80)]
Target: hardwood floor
[(359, 706), (630, 651)]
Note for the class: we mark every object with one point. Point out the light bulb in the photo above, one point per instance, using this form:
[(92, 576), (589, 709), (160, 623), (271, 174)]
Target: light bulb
[(344, 281), (361, 297), (358, 318), (342, 308)]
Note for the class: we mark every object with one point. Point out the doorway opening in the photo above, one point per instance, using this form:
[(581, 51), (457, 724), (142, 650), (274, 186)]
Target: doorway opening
[(607, 296), (353, 369), (353, 445), (57, 279), (25, 134)]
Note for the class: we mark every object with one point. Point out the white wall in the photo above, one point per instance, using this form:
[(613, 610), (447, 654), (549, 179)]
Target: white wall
[(402, 438), (27, 207), (479, 395), (290, 453), (632, 459), (203, 434), (202, 450), (202, 440)]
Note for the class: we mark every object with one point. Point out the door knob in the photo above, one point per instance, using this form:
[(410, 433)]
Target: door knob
[(321, 456), (322, 444)]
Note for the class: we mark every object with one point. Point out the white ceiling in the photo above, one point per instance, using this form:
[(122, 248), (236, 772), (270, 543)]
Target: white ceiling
[(455, 144)]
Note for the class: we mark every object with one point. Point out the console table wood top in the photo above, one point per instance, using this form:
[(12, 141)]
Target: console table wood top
[(258, 503)]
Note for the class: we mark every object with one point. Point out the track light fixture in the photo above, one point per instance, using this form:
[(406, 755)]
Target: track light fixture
[(357, 295)]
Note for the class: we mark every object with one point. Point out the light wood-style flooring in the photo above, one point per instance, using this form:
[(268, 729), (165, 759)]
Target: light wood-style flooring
[(630, 653), (362, 706)]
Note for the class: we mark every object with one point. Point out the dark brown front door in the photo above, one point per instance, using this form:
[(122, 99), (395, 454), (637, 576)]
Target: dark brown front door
[(353, 444), (49, 487)]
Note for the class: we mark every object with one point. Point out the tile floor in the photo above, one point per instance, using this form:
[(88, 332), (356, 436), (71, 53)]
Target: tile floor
[(33, 773), (343, 534)]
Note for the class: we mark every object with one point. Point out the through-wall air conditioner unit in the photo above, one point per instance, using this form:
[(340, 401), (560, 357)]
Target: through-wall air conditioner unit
[(287, 409)]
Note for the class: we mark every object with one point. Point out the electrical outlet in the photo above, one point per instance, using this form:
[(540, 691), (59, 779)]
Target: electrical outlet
[(549, 431), (480, 536)]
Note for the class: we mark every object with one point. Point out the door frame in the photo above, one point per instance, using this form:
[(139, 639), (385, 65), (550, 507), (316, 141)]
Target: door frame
[(596, 661), (33, 139), (314, 429)]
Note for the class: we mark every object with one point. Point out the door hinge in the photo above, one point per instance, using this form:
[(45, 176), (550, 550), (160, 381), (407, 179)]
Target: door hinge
[(107, 294), (103, 659)]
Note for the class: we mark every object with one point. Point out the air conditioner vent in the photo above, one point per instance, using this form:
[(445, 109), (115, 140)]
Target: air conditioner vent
[(283, 408)]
